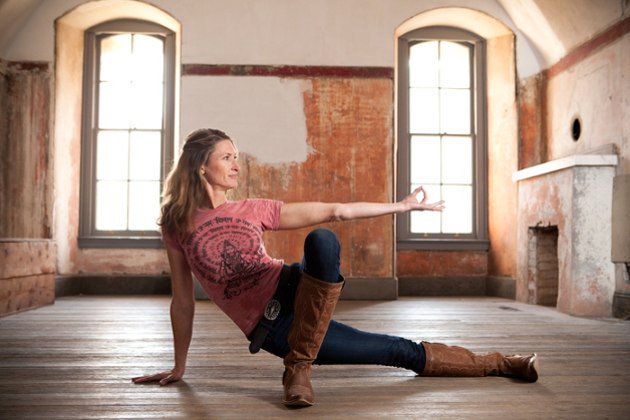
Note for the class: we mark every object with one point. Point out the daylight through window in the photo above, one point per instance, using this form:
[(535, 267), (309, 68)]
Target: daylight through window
[(128, 132), (441, 137)]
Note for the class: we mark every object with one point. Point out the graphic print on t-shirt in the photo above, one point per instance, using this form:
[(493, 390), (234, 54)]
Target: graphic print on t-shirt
[(228, 252)]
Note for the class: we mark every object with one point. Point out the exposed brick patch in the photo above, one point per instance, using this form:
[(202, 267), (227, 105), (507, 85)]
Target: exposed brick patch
[(542, 265), (348, 122), (442, 263)]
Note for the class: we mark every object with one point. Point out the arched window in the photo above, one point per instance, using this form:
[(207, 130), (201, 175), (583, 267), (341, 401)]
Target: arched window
[(127, 134), (442, 138)]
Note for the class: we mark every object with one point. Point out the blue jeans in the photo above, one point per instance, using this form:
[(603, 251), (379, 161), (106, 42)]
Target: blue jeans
[(342, 344)]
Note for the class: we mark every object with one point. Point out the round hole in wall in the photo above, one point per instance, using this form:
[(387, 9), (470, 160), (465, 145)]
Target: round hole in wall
[(576, 129)]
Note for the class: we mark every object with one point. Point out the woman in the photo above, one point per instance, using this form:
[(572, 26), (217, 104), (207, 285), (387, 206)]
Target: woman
[(285, 310)]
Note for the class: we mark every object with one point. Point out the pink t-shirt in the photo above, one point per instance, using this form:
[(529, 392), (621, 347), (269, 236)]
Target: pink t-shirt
[(227, 255)]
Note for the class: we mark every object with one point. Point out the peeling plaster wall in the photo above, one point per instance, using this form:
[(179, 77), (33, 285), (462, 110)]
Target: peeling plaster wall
[(350, 143), (71, 260), (532, 145), (26, 196), (264, 115), (502, 156), (594, 90), (593, 273), (27, 253)]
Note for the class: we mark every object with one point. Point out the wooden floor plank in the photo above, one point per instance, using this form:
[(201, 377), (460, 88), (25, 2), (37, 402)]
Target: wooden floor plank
[(74, 360)]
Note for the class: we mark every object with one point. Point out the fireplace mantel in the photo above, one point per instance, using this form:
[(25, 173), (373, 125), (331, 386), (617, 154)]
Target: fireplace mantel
[(564, 163)]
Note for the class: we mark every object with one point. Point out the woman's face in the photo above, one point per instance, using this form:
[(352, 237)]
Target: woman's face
[(221, 168)]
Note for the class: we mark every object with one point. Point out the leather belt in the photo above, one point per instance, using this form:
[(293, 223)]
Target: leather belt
[(272, 310)]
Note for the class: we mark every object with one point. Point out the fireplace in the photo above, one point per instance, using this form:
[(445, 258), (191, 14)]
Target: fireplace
[(564, 207), (542, 265)]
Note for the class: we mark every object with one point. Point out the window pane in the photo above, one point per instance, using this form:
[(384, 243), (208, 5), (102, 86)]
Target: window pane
[(426, 221), (147, 105), (115, 58), (457, 160), (144, 205), (111, 205), (455, 111), (423, 64), (425, 160), (454, 65), (148, 58), (114, 105), (457, 216), (111, 155), (145, 153), (424, 110)]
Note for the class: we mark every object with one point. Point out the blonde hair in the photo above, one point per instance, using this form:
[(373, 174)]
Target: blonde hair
[(184, 190)]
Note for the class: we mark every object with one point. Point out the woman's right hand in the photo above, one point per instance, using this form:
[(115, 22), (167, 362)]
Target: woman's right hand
[(163, 378)]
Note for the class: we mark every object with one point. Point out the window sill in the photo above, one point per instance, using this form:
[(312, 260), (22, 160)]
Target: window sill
[(120, 242), (443, 244)]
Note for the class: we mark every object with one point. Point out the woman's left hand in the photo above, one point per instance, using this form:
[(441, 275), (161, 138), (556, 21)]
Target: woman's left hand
[(414, 203), (163, 378)]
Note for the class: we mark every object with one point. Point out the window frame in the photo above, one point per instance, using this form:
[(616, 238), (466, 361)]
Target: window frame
[(89, 236), (478, 240)]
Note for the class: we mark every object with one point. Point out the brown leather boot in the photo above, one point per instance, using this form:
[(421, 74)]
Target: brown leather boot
[(315, 301), (443, 360)]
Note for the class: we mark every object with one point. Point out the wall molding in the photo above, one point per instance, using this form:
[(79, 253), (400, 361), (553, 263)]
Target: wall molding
[(287, 71)]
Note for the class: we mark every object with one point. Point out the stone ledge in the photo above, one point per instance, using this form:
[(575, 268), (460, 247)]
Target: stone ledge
[(564, 163)]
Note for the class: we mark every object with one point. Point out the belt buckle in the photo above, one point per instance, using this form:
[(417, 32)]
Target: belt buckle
[(272, 309)]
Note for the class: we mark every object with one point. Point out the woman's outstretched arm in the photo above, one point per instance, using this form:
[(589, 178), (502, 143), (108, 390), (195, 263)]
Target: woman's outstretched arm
[(298, 215), (182, 313)]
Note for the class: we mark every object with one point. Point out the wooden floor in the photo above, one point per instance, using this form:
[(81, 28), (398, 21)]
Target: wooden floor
[(74, 360)]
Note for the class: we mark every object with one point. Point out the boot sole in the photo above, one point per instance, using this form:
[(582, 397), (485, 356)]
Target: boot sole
[(299, 402), (534, 368)]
